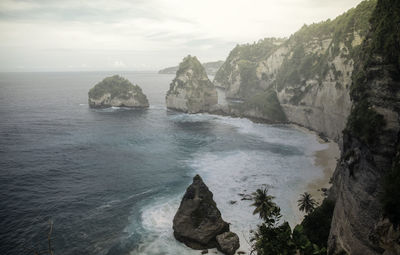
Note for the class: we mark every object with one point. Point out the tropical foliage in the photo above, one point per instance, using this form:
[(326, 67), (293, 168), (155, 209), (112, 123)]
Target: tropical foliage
[(117, 86), (273, 237), (306, 203)]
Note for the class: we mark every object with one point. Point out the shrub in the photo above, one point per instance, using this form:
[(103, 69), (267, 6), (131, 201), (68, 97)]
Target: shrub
[(317, 224), (365, 123)]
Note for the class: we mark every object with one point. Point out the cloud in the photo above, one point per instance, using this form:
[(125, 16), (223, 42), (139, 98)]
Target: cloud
[(119, 64), (51, 33)]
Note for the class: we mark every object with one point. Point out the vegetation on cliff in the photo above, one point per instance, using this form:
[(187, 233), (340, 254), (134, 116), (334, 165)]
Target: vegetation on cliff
[(266, 103), (191, 90), (246, 56), (381, 51), (302, 65), (385, 41), (197, 77)]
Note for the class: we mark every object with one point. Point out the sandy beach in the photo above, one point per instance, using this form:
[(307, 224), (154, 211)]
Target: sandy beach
[(325, 159)]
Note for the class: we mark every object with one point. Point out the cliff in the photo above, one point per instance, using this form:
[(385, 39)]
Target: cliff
[(116, 91), (341, 78), (191, 91), (367, 179), (210, 67), (310, 73)]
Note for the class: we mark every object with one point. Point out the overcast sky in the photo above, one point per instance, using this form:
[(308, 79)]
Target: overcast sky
[(70, 35)]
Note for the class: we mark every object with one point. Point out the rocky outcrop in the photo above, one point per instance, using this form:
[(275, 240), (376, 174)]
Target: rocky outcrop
[(198, 222), (228, 243), (118, 92), (334, 76), (367, 211), (191, 91)]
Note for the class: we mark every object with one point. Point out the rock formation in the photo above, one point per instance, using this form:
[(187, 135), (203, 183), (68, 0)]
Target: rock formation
[(366, 180), (191, 91), (118, 92), (198, 222)]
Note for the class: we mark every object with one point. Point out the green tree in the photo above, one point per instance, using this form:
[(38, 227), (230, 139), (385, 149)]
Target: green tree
[(265, 207), (270, 238), (306, 203)]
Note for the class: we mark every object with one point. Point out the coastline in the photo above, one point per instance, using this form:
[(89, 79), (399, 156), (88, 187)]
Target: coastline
[(327, 160)]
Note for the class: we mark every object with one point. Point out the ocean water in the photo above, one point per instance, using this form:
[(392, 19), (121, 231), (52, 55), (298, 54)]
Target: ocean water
[(111, 180)]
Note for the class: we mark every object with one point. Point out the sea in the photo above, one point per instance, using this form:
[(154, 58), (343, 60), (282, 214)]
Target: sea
[(110, 181)]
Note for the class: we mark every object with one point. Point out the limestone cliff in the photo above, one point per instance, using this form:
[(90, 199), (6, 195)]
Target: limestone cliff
[(340, 78), (367, 179), (310, 73), (191, 91), (116, 91)]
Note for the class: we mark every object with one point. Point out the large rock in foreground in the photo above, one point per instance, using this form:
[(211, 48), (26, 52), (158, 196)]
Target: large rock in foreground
[(198, 221), (118, 92), (191, 91)]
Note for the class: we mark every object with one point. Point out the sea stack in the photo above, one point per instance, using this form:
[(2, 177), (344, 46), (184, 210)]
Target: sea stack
[(198, 222), (118, 92), (191, 91)]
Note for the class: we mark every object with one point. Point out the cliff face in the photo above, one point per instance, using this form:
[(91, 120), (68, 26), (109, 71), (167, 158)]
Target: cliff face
[(367, 179), (191, 91), (116, 91), (310, 72), (340, 78)]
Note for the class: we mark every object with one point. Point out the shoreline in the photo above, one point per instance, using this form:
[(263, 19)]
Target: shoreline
[(325, 159)]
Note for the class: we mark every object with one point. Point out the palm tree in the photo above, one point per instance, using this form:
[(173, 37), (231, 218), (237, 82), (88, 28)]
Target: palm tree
[(306, 203), (263, 203)]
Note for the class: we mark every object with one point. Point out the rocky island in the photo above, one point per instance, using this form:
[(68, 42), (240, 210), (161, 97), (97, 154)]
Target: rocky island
[(191, 91), (211, 68), (116, 91), (198, 222)]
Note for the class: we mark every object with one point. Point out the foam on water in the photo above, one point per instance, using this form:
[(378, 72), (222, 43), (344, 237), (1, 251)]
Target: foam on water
[(230, 174)]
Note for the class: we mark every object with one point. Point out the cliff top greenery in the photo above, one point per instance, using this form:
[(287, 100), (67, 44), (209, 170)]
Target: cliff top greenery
[(117, 86), (303, 65), (302, 62), (355, 19), (250, 53), (194, 64), (197, 76)]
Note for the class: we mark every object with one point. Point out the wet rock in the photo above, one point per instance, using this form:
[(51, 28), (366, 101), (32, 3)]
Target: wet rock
[(228, 243), (198, 221)]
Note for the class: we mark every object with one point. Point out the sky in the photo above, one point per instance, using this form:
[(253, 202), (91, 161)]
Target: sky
[(136, 35)]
